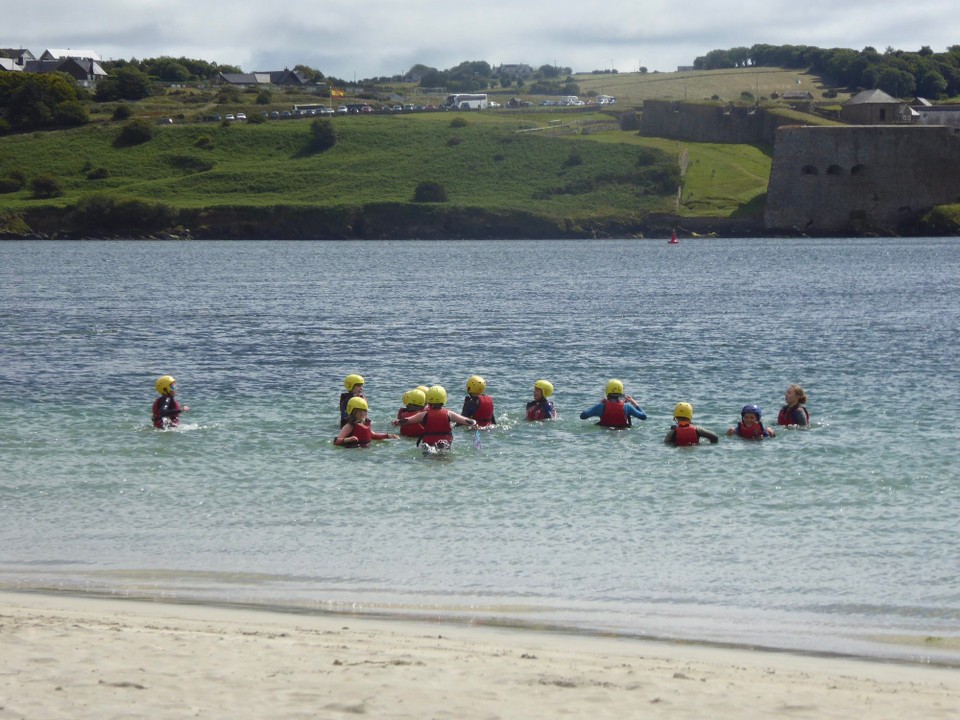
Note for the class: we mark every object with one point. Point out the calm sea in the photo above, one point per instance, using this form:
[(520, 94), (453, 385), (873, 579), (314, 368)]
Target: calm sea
[(844, 537)]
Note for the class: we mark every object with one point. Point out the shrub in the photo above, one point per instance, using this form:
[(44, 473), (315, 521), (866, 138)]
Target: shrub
[(430, 192), (122, 112), (204, 142), (72, 112), (98, 174), (459, 122), (574, 158), (46, 186), (256, 119), (189, 163), (453, 141), (323, 136), (135, 132), (264, 98), (9, 185)]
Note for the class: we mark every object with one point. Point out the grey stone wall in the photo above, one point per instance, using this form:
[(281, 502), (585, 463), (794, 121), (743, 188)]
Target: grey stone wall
[(697, 122), (830, 180)]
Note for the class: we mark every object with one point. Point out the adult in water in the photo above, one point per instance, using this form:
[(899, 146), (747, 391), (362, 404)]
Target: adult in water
[(616, 410), (794, 412), (166, 409)]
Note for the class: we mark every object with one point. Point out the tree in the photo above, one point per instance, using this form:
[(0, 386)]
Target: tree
[(30, 101), (127, 83), (323, 136)]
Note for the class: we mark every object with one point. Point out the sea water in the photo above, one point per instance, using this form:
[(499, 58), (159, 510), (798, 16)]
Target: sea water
[(842, 537)]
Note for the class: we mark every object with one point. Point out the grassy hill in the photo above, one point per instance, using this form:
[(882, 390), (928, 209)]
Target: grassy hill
[(537, 170)]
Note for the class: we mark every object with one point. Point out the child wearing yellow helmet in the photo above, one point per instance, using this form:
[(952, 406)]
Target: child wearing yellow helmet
[(166, 409), (436, 422), (357, 432), (541, 407), (616, 410), (685, 432), (354, 385), (476, 404), (413, 403)]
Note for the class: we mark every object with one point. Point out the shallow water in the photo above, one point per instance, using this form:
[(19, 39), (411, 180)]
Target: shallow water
[(839, 538)]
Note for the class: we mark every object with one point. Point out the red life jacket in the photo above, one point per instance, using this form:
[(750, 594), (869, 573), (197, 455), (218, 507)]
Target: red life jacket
[(170, 420), (754, 432), (436, 427), (614, 414), (786, 415), (685, 434), (484, 413), (412, 429), (539, 410), (363, 432)]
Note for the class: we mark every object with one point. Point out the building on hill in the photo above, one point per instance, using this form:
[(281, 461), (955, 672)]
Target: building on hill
[(801, 100), (14, 59), (54, 54), (930, 114), (85, 71), (280, 78), (875, 107)]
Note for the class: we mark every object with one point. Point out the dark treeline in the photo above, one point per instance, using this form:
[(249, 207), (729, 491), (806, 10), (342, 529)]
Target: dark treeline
[(897, 72)]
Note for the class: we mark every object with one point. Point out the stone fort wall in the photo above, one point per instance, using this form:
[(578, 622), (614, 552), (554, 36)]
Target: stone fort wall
[(696, 122), (835, 179)]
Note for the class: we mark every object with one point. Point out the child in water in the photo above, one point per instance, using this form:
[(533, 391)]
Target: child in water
[(357, 431), (750, 427), (166, 409), (541, 407), (436, 434), (413, 402), (616, 409), (354, 385), (476, 405), (794, 412), (685, 432)]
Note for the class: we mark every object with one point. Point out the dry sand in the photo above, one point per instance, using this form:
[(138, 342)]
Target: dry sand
[(64, 657)]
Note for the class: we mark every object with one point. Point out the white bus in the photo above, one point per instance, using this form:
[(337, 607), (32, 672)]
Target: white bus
[(465, 101)]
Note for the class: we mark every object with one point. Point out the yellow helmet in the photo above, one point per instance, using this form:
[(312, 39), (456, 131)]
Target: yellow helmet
[(415, 397), (436, 395), (546, 387), (683, 410), (422, 388), (614, 387), (356, 403), (164, 384), (350, 380), (476, 385)]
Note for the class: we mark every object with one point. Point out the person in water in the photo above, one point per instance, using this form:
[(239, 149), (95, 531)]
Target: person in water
[(357, 431), (354, 385), (750, 426), (166, 409), (436, 433), (616, 410), (685, 433), (795, 411), (476, 404), (413, 403), (541, 407)]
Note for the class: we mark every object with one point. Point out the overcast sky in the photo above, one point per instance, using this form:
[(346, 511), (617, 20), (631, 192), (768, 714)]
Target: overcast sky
[(358, 39)]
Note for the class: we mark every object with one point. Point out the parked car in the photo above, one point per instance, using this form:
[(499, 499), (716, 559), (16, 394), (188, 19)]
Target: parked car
[(241, 116), (366, 109), (342, 110), (275, 114), (229, 116)]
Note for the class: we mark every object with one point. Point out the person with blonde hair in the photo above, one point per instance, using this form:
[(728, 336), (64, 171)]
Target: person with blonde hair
[(794, 412)]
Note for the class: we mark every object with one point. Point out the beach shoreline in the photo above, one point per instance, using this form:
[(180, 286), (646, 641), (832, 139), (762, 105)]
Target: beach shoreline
[(86, 657)]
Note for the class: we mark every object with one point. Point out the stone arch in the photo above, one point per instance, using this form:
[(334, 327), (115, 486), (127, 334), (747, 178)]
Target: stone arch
[(834, 170), (809, 170)]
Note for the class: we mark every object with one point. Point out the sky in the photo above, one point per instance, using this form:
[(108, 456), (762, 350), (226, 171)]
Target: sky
[(358, 39)]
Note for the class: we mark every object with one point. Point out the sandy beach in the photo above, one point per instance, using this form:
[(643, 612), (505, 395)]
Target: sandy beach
[(68, 657)]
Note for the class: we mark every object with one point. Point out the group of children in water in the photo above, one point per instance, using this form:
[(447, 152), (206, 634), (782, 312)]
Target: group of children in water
[(424, 417)]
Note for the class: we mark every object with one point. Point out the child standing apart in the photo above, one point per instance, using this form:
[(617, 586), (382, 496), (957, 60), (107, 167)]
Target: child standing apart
[(166, 409), (357, 431), (794, 412), (476, 405), (750, 427), (685, 432), (541, 407)]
